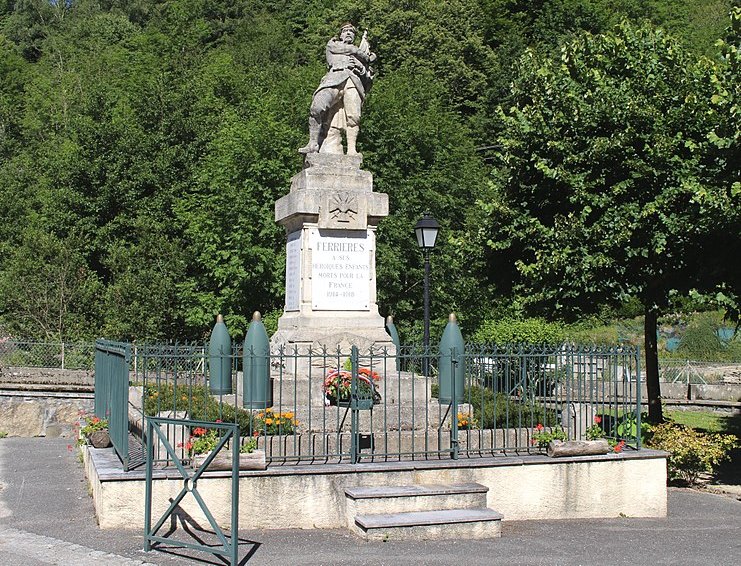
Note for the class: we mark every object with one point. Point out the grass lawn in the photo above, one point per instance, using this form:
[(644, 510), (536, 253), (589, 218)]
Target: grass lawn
[(707, 421)]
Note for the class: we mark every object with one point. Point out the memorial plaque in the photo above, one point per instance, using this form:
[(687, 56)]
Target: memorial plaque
[(293, 271), (340, 269)]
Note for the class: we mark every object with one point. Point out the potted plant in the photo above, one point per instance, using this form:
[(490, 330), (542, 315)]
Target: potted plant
[(202, 441), (338, 388), (95, 432)]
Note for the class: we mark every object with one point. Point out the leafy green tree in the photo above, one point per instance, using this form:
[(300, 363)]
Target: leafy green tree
[(438, 172), (48, 290), (602, 190), (145, 271)]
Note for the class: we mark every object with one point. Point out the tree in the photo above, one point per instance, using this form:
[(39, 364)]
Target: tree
[(47, 287), (604, 188)]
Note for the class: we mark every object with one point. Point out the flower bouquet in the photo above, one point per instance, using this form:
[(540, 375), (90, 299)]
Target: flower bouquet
[(338, 388)]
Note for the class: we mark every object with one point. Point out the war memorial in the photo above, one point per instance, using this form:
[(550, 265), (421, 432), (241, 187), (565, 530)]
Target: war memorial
[(331, 422)]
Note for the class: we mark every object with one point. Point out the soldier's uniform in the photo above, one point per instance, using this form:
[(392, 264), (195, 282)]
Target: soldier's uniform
[(338, 99)]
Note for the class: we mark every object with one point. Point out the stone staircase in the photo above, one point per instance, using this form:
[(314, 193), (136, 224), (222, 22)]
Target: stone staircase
[(421, 512)]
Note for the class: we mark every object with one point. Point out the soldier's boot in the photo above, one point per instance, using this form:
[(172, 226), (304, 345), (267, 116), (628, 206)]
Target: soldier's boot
[(313, 145)]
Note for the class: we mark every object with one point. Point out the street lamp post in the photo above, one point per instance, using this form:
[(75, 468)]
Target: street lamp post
[(426, 230)]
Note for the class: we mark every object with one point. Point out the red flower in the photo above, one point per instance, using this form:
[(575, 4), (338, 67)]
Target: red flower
[(597, 419), (218, 421), (539, 427), (619, 446), (199, 431)]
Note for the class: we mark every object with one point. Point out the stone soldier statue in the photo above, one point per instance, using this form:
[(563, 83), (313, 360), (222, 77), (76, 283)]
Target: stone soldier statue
[(338, 99)]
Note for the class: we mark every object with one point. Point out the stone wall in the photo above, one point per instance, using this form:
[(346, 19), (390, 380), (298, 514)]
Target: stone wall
[(42, 414), (632, 483), (46, 376)]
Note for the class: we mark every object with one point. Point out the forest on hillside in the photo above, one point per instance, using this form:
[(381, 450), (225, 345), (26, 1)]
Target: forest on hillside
[(582, 157)]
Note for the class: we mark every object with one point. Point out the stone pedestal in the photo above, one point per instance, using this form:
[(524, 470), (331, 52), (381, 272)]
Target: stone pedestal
[(330, 216)]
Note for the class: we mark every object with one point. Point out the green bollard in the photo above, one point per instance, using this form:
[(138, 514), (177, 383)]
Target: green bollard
[(257, 388), (220, 359), (452, 370), (394, 334)]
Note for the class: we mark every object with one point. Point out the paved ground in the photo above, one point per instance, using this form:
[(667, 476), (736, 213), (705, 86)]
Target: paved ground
[(46, 517)]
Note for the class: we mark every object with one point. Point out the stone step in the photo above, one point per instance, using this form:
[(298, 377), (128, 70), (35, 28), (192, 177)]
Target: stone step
[(367, 500), (426, 525)]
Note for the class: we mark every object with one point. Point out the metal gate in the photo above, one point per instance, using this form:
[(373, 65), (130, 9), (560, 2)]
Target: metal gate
[(228, 435)]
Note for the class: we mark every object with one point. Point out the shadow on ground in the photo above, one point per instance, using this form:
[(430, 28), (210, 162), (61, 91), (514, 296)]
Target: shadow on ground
[(729, 472)]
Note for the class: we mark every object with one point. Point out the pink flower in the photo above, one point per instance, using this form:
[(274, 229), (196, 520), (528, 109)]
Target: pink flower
[(597, 419), (218, 421), (539, 427)]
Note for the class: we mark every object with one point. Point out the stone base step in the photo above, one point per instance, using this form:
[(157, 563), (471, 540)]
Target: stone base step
[(370, 500), (425, 525)]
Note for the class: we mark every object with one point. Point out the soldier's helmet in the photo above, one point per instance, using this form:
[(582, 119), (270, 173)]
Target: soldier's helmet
[(348, 26)]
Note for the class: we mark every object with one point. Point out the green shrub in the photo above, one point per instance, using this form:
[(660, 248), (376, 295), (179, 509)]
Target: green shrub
[(198, 403), (691, 453), (522, 331), (500, 410), (700, 339)]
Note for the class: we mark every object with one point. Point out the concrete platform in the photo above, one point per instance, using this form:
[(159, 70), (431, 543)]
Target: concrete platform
[(631, 483)]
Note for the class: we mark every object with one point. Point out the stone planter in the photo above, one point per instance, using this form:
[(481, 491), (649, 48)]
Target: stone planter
[(560, 448), (100, 439), (254, 460)]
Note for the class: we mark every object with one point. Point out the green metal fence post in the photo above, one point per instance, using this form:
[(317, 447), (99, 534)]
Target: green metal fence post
[(456, 393), (148, 487), (638, 397), (354, 411)]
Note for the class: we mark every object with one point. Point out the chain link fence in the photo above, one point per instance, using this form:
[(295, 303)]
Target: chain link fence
[(696, 372), (55, 355)]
